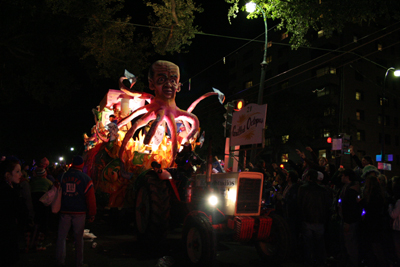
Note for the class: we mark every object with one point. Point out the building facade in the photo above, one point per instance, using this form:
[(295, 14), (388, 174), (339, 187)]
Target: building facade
[(335, 86)]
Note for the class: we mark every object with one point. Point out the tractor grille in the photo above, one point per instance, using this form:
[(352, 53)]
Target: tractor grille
[(248, 196)]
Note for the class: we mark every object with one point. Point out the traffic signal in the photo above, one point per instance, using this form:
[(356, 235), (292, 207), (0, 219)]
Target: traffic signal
[(238, 104), (234, 105), (329, 140), (228, 118)]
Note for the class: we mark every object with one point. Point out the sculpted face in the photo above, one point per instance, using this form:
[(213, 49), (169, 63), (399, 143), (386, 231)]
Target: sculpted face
[(165, 80)]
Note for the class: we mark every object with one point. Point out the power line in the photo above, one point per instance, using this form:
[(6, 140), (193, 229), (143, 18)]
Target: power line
[(328, 60), (343, 52)]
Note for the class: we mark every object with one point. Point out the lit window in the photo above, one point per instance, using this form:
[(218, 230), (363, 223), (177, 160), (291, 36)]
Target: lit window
[(333, 70), (360, 115), (360, 135), (358, 96), (327, 112), (267, 141), (248, 84), (284, 35), (322, 71), (379, 47), (284, 157), (269, 59), (322, 92), (355, 39), (320, 33), (284, 85), (285, 138), (269, 44), (327, 133)]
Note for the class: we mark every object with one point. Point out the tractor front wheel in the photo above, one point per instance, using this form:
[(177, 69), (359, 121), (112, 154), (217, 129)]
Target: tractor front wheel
[(199, 240)]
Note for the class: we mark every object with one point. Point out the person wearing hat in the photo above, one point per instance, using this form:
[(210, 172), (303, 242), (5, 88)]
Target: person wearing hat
[(370, 170), (44, 163), (39, 186), (77, 201)]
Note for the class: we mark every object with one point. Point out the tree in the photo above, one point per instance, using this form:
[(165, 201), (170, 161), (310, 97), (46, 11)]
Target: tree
[(174, 27), (51, 49), (298, 17)]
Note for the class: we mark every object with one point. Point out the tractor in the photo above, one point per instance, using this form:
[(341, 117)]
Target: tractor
[(209, 208)]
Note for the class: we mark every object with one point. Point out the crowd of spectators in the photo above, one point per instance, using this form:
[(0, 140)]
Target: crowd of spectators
[(336, 216), (25, 220)]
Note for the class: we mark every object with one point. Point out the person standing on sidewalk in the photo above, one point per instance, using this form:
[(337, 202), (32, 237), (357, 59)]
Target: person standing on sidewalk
[(77, 200), (314, 204)]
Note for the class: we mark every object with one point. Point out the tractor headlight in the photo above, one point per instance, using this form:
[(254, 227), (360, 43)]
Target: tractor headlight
[(212, 200)]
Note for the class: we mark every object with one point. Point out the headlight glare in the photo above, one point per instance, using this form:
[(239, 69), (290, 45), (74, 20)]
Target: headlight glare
[(213, 200)]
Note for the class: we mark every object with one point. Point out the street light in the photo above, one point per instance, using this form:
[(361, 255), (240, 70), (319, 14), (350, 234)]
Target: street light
[(72, 149), (251, 7), (397, 74)]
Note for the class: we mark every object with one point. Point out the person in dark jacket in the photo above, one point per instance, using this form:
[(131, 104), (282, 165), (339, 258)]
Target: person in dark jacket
[(77, 200), (350, 214), (11, 209), (314, 205), (372, 223)]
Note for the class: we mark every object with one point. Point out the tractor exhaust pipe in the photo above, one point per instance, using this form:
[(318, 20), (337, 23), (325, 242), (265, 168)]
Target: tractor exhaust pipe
[(209, 163)]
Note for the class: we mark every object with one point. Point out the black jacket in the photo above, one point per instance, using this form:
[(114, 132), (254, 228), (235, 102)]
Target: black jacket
[(314, 203), (351, 210)]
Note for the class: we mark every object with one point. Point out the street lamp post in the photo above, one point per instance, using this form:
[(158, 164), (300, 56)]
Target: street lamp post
[(251, 7), (397, 74)]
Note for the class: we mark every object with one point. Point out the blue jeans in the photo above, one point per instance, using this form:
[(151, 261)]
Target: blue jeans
[(314, 244), (78, 224)]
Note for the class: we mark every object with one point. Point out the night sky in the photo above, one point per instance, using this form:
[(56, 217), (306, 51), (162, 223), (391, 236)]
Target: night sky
[(32, 130)]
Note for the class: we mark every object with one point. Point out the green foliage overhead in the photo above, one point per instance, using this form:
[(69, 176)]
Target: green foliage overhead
[(298, 17), (173, 24), (51, 49)]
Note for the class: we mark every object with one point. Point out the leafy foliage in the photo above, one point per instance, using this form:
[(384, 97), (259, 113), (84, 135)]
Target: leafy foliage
[(298, 17), (173, 27), (50, 49)]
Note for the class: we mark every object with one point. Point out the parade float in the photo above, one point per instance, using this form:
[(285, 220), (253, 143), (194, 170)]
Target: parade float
[(143, 129), (141, 153)]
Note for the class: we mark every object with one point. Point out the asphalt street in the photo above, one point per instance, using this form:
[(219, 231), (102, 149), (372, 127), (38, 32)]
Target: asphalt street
[(116, 245)]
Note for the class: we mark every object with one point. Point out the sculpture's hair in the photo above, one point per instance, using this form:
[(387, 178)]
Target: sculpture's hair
[(150, 75)]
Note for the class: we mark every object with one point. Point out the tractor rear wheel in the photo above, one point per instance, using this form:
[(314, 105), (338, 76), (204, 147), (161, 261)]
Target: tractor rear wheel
[(199, 240), (277, 245), (152, 210)]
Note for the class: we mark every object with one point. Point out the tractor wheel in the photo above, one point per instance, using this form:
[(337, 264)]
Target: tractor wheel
[(199, 240), (277, 245), (152, 209)]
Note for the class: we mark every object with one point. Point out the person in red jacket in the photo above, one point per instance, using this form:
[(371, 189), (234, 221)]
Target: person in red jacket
[(77, 200)]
